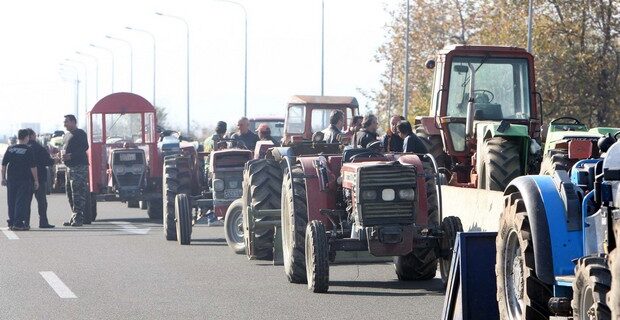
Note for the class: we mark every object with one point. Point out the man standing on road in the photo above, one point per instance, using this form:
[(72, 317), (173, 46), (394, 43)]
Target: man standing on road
[(43, 160), (74, 157), (244, 134), (18, 162), (392, 142)]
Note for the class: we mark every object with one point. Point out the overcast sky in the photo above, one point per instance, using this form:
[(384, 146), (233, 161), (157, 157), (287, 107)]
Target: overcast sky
[(284, 54)]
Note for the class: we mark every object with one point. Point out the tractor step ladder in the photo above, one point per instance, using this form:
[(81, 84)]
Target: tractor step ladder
[(471, 290)]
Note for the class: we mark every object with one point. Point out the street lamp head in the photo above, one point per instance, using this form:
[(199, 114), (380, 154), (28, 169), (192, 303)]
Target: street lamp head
[(78, 52), (92, 45), (159, 13), (129, 28), (108, 36)]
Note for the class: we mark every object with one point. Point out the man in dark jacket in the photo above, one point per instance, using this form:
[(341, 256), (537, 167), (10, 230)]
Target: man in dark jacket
[(368, 134), (411, 142), (336, 121), (244, 134), (76, 160), (19, 175), (43, 160), (391, 141)]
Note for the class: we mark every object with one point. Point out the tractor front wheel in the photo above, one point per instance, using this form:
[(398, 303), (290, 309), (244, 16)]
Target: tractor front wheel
[(613, 298), (450, 227), (317, 256), (501, 163), (233, 224), (520, 294), (590, 288), (154, 209), (177, 179), (294, 221), (183, 219)]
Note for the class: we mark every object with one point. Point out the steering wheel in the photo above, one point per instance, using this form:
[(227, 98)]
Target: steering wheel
[(574, 121), (487, 92), (616, 135), (367, 154)]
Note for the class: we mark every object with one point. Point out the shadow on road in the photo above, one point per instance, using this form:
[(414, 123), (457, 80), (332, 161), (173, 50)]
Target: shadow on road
[(209, 242), (433, 285), (131, 220)]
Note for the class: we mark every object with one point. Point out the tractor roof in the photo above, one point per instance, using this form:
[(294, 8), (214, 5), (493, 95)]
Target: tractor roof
[(122, 102), (324, 100), (481, 48)]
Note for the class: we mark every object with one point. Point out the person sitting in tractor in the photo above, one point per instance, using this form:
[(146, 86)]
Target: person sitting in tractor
[(368, 133), (411, 142), (354, 127), (244, 135), (391, 141), (212, 143), (336, 121), (264, 134)]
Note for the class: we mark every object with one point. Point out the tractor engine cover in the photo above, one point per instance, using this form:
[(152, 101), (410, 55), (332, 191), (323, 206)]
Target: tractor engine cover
[(128, 172)]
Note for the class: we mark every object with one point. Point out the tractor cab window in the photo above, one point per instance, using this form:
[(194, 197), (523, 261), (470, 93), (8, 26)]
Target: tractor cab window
[(320, 119), (149, 129), (122, 128), (296, 119), (97, 126), (501, 88)]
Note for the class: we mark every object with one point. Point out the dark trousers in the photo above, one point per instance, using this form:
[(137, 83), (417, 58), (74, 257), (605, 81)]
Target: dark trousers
[(41, 196), (76, 182), (19, 194)]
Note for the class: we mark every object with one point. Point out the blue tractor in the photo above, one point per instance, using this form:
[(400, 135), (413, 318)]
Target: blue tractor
[(556, 246)]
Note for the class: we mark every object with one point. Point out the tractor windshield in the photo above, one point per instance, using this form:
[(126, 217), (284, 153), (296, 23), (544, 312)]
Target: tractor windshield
[(501, 88), (317, 115), (125, 127)]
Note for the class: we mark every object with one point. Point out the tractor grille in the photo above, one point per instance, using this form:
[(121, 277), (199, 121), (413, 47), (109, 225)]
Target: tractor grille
[(379, 178), (129, 180), (233, 182)]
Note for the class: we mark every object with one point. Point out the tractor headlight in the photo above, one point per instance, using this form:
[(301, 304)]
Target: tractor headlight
[(406, 194), (388, 195), (369, 195), (218, 185), (119, 169)]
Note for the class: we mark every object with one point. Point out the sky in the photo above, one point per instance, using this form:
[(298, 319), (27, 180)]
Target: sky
[(284, 55)]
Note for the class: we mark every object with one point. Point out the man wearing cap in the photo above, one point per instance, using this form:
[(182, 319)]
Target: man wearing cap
[(244, 134), (211, 142), (264, 134)]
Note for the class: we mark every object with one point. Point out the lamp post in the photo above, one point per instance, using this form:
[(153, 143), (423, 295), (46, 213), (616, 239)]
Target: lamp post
[(406, 85), (130, 59), (245, 62), (83, 65), (77, 85), (322, 46), (111, 55), (187, 59), (154, 58), (530, 17), (96, 71)]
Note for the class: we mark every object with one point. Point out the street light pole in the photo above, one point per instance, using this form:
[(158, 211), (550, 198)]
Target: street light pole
[(96, 71), (154, 58), (130, 59), (245, 64), (111, 55), (77, 86), (530, 17), (406, 84), (187, 59), (85, 81), (322, 46)]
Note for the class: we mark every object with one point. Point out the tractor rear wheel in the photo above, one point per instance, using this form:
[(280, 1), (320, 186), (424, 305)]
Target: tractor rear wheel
[(450, 227), (556, 160), (133, 204), (233, 224), (317, 256), (520, 294), (501, 163), (294, 221), (262, 189), (590, 288), (613, 298), (434, 145), (183, 219), (154, 209), (421, 264), (177, 179)]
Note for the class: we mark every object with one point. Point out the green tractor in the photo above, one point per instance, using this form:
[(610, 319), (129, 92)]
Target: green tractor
[(485, 119), (568, 141)]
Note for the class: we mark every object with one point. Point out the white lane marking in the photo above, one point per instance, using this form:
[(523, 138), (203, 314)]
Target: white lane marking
[(129, 228), (10, 234), (61, 289)]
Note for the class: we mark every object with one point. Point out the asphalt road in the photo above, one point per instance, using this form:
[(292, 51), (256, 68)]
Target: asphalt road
[(120, 267)]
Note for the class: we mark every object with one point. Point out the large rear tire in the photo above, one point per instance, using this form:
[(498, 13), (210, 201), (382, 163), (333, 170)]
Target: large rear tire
[(294, 221), (590, 289), (183, 219), (434, 145), (450, 227), (556, 160), (613, 298), (501, 163), (317, 257), (177, 179), (520, 294), (233, 224), (262, 189)]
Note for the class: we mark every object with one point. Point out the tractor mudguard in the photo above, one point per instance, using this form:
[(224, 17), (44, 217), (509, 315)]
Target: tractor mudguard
[(554, 246), (422, 203), (279, 153), (315, 198)]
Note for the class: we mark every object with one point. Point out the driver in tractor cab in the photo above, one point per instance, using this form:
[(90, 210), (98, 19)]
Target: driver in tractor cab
[(247, 137), (368, 134), (336, 121), (264, 134), (392, 142), (411, 142), (212, 143)]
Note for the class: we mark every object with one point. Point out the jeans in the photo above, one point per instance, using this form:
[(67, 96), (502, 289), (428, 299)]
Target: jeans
[(19, 194), (41, 196)]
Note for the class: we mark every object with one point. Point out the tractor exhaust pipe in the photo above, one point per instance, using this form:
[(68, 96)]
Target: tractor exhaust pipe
[(469, 124)]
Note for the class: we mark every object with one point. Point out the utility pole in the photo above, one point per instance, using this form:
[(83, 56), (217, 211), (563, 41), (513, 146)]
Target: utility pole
[(530, 17), (406, 85)]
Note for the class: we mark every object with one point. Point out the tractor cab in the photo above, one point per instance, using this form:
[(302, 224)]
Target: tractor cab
[(123, 148), (483, 96)]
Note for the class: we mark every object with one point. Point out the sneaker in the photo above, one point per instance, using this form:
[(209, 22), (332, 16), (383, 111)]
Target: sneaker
[(21, 228), (46, 226), (215, 223), (76, 224), (67, 224)]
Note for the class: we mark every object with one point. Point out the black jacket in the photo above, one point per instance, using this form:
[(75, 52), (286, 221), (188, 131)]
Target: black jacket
[(364, 137), (76, 144), (413, 143), (42, 158), (392, 142), (330, 134)]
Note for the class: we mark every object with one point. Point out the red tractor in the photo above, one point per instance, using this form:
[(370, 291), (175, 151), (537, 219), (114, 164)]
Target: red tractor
[(124, 161)]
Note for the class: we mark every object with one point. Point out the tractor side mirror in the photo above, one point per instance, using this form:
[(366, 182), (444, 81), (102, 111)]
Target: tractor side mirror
[(430, 64)]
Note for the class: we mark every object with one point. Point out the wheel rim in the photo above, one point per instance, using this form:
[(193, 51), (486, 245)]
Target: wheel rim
[(235, 229), (513, 276), (309, 254), (587, 305), (286, 229)]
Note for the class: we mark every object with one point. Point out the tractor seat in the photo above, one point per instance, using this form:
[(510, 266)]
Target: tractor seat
[(348, 155), (488, 111)]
